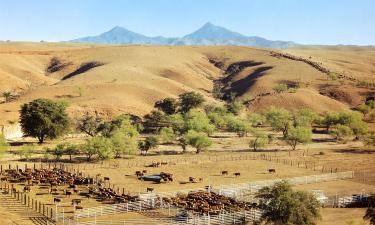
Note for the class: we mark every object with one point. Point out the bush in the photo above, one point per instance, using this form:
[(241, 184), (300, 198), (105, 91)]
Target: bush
[(280, 88)]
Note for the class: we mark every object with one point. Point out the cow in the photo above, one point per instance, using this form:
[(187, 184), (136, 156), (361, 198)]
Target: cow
[(272, 170), (224, 172)]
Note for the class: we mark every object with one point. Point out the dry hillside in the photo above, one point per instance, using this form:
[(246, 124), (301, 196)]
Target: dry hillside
[(115, 79)]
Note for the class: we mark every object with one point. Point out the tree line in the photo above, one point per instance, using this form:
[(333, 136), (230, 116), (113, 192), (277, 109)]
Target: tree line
[(185, 121)]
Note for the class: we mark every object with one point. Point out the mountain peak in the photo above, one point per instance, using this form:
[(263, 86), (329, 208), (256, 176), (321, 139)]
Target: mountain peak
[(208, 24), (208, 34)]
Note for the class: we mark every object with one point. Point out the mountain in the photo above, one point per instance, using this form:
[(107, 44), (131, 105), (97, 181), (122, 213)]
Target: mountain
[(208, 34)]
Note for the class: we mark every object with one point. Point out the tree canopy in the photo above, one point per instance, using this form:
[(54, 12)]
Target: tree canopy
[(190, 100), (168, 105), (298, 135), (279, 119), (282, 205), (200, 141), (44, 118)]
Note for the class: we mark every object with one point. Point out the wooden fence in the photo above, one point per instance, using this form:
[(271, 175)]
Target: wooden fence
[(25, 199)]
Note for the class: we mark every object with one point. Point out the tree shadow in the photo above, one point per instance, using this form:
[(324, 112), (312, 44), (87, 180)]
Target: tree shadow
[(242, 86), (83, 68), (355, 151)]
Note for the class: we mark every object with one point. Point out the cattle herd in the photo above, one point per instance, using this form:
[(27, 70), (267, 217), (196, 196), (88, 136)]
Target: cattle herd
[(70, 182), (316, 65), (207, 202), (53, 177), (59, 180)]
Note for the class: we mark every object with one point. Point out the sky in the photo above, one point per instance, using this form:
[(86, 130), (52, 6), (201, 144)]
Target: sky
[(302, 21)]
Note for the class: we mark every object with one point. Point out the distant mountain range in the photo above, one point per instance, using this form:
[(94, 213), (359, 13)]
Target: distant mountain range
[(208, 34)]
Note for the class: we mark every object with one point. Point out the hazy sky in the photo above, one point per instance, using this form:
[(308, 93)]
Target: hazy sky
[(302, 21)]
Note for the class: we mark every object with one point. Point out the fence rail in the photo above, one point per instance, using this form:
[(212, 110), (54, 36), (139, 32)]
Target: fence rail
[(115, 208), (224, 218), (241, 191)]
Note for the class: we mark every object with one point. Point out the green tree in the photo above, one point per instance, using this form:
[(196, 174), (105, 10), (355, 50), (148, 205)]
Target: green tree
[(200, 141), (298, 135), (166, 135), (359, 128), (105, 148), (149, 143), (155, 120), (364, 109), (279, 119), (330, 119), (43, 118), (124, 137), (198, 121), (98, 145), (280, 88), (70, 150), (190, 100), (167, 105), (90, 124), (59, 151), (305, 117), (256, 119), (218, 120), (259, 139), (238, 126), (341, 132), (282, 205), (235, 107)]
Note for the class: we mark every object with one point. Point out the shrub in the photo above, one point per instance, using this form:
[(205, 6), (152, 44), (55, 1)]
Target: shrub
[(280, 88)]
